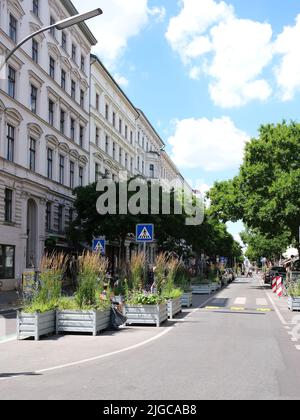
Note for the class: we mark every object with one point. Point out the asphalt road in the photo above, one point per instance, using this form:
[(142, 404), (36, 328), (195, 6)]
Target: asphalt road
[(233, 348)]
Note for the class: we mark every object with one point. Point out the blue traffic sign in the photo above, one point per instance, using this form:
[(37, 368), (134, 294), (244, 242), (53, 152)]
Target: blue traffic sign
[(145, 233), (99, 245)]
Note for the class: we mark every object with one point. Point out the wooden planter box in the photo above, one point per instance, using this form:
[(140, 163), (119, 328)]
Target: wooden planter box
[(35, 325), (146, 314), (187, 300), (91, 322), (174, 307), (294, 303), (202, 289)]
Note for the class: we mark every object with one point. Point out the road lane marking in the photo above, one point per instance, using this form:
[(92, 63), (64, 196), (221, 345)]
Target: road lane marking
[(240, 301), (266, 310), (233, 308), (280, 316)]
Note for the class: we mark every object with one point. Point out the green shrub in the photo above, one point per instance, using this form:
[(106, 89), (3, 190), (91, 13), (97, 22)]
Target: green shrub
[(173, 294), (139, 298)]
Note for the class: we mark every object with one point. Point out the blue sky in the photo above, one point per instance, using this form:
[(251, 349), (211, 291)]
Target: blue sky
[(206, 73)]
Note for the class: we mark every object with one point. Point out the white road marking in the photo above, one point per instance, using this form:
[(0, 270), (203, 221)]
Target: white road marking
[(298, 348), (8, 339), (240, 301), (282, 320), (261, 302)]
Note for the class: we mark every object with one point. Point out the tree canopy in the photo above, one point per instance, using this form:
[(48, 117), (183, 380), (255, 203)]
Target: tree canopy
[(266, 192)]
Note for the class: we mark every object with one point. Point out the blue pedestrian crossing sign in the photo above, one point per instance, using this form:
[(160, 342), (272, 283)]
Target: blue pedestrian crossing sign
[(145, 233), (99, 246)]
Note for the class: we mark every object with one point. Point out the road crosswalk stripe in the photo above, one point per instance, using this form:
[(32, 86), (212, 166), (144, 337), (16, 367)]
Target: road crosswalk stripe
[(261, 302), (240, 301)]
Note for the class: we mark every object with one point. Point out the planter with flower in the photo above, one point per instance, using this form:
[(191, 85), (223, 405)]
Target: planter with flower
[(143, 307), (201, 286), (38, 315), (294, 297), (89, 310), (183, 283)]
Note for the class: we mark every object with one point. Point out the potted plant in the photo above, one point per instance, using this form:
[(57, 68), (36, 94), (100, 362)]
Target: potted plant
[(170, 292), (37, 318), (90, 308), (183, 283), (146, 308), (201, 286), (143, 307), (294, 297)]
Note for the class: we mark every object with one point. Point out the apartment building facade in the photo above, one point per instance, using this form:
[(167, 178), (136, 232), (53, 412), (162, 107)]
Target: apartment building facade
[(44, 131), (64, 123)]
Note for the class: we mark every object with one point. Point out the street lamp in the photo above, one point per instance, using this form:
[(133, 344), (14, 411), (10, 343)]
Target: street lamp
[(61, 25)]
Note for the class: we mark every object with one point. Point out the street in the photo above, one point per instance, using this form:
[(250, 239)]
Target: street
[(235, 346)]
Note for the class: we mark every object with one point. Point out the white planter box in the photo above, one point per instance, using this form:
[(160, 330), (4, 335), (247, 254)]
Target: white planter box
[(294, 303), (91, 322), (215, 287), (146, 314), (35, 325), (202, 289), (174, 307), (187, 300)]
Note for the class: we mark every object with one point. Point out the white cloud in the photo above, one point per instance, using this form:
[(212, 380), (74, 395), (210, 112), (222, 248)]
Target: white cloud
[(233, 52), (212, 145), (121, 80), (288, 72), (121, 20)]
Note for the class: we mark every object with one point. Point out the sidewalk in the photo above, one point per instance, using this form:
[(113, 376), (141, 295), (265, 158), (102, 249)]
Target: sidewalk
[(9, 300)]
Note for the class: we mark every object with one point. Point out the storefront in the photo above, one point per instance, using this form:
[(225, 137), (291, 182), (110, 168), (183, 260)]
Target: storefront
[(7, 263)]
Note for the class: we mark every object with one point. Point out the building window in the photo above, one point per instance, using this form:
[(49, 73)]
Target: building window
[(33, 99), (50, 163), (126, 160), (35, 51), (72, 173), (64, 41), (106, 112), (11, 132), (114, 150), (138, 163), (143, 167), (114, 119), (35, 7), (32, 154), (8, 202), (74, 52), (97, 172), (80, 176), (73, 90), (62, 121), (97, 136), (106, 144), (52, 22), (82, 63), (151, 171), (131, 165), (82, 98), (13, 28), (131, 137), (72, 129), (52, 67), (120, 155), (97, 101), (48, 216), (63, 80), (60, 218), (61, 169), (71, 216), (7, 262), (51, 112), (11, 82), (126, 132), (81, 136), (120, 126)]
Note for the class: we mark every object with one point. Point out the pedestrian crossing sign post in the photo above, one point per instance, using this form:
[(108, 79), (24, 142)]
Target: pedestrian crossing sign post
[(145, 233), (99, 246)]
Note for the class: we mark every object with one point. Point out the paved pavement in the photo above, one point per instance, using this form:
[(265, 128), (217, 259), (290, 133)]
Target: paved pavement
[(237, 346)]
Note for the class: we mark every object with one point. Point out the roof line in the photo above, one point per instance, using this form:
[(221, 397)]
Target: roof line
[(83, 26), (95, 57)]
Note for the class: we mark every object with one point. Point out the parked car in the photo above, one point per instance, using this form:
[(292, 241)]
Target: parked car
[(274, 272)]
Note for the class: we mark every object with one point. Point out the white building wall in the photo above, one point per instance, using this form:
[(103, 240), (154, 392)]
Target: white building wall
[(33, 185)]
